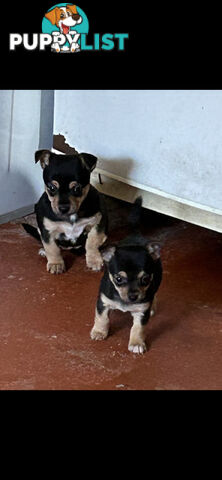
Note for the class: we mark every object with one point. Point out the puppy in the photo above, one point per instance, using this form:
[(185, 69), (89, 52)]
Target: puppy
[(132, 276), (65, 18), (70, 213)]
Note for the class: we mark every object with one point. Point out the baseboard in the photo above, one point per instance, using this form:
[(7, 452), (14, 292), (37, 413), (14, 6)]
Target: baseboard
[(161, 202), (20, 212), (153, 199)]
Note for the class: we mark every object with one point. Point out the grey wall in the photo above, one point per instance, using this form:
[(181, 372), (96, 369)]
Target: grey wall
[(26, 124)]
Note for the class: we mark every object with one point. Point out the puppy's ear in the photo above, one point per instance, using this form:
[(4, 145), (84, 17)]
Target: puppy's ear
[(43, 156), (52, 15), (154, 250), (108, 253), (72, 8), (88, 161)]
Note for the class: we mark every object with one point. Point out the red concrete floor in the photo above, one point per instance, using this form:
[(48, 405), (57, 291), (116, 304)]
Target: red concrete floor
[(45, 320)]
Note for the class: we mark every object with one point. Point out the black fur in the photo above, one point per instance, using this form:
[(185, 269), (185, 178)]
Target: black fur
[(131, 260), (61, 202), (132, 255), (92, 204), (135, 215), (32, 231)]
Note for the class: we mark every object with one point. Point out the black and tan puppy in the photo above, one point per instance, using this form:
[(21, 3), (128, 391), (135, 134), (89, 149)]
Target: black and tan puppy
[(132, 276), (70, 213)]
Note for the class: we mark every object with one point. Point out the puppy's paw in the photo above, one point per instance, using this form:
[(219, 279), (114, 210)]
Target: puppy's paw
[(98, 335), (56, 268), (137, 348), (95, 262)]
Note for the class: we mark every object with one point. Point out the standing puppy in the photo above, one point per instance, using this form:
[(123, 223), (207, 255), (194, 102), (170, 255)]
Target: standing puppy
[(70, 213), (132, 276)]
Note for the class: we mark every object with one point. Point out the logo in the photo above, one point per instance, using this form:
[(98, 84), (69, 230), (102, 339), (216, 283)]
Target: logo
[(64, 30), (65, 23)]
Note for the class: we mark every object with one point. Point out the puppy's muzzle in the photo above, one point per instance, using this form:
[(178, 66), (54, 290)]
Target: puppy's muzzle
[(64, 208), (133, 296)]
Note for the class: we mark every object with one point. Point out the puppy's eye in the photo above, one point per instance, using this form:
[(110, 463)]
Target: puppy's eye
[(119, 280), (52, 188), (145, 280), (77, 190)]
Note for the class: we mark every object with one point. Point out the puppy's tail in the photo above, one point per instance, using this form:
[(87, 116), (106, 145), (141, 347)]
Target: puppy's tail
[(135, 215), (32, 231)]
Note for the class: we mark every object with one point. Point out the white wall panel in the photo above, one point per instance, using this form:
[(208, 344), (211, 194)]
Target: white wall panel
[(167, 142)]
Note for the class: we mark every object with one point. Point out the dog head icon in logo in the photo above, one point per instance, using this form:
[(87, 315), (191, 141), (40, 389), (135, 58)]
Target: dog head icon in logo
[(65, 22)]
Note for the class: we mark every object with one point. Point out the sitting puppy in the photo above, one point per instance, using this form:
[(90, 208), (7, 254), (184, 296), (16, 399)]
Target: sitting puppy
[(133, 273), (71, 213)]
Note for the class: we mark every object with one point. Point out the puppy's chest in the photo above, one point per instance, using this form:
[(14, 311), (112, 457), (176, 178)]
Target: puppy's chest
[(70, 232), (115, 305)]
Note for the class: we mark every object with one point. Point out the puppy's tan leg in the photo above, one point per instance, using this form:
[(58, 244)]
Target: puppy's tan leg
[(101, 325), (137, 334), (55, 262), (93, 256)]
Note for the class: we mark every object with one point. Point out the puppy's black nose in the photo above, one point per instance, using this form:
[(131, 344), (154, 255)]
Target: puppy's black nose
[(133, 296), (64, 208)]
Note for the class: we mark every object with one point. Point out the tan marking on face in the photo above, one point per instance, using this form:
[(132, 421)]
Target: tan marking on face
[(73, 184), (122, 274), (77, 201), (140, 275), (54, 182), (121, 289), (124, 289), (144, 288), (54, 200)]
